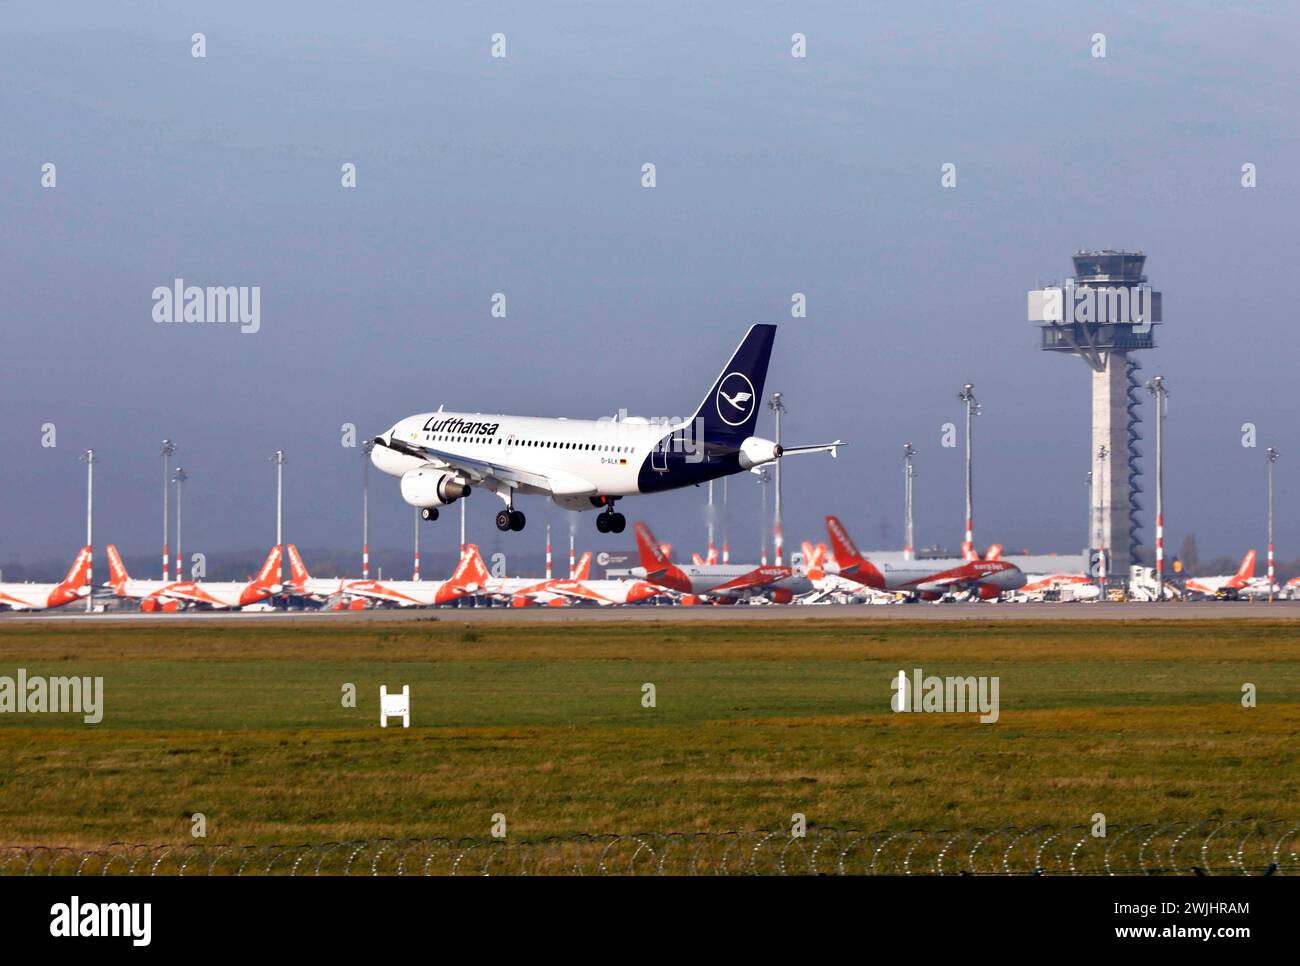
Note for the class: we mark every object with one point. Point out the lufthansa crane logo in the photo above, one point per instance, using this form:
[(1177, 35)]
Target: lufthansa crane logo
[(735, 398)]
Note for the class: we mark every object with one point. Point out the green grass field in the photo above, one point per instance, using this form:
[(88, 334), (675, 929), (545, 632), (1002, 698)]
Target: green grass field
[(544, 723)]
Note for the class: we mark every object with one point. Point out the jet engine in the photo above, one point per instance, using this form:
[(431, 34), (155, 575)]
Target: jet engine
[(755, 451), (989, 593), (427, 486)]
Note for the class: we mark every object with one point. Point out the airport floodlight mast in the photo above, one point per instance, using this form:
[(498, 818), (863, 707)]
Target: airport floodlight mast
[(366, 447), (709, 521), (726, 538), (179, 478), (908, 452), (778, 533), (415, 572), (1102, 315), (168, 447), (1161, 393), (762, 515), (1272, 458), (278, 459), (88, 458), (967, 397)]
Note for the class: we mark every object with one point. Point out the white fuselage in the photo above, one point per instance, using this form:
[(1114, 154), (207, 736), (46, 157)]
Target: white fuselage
[(219, 595), (37, 596), (604, 453), (403, 593)]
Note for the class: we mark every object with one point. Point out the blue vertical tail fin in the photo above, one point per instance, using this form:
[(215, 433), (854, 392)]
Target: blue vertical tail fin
[(729, 411)]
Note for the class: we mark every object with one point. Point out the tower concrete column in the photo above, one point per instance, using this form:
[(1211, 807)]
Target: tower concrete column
[(1110, 434)]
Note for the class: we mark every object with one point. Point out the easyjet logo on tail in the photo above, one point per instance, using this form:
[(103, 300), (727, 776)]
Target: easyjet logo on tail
[(76, 578), (652, 554), (116, 569), (270, 569), (296, 567), (471, 571), (1247, 568), (846, 551), (656, 563)]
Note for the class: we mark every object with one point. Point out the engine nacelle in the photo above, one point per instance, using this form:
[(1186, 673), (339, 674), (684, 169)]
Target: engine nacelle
[(431, 487), (989, 593), (755, 451)]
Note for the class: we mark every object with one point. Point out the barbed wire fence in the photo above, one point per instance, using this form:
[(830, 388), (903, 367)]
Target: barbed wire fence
[(1213, 847)]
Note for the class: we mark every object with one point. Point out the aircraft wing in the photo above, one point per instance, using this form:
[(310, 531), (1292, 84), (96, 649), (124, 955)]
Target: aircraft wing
[(557, 482), (756, 579)]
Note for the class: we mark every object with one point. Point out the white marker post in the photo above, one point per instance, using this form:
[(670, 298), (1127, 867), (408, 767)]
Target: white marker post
[(395, 706)]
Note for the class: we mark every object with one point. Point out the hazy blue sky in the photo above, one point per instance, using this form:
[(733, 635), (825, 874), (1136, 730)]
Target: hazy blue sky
[(775, 175)]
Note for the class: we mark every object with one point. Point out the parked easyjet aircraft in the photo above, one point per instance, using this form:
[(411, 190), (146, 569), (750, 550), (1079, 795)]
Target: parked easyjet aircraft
[(1210, 586), (152, 594), (470, 577), (584, 464), (45, 596), (929, 578), (726, 581), (303, 584), (231, 593), (525, 591)]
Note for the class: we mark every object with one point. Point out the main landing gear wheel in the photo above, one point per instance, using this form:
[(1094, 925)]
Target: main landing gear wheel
[(428, 513), (611, 522), (510, 520)]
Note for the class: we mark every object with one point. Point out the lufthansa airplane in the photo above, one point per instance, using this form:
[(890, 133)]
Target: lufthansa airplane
[(586, 464)]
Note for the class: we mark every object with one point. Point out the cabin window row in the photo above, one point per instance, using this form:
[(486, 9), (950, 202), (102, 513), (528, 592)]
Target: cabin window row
[(540, 443)]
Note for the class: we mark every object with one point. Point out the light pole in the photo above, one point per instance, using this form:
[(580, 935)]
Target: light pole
[(1157, 388), (88, 458), (366, 447), (1272, 458), (180, 477), (462, 527), (416, 572), (168, 447), (967, 397), (908, 452), (278, 460), (762, 530), (709, 515), (726, 541), (548, 551), (778, 531)]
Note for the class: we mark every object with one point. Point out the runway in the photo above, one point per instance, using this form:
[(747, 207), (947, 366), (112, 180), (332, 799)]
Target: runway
[(1286, 610)]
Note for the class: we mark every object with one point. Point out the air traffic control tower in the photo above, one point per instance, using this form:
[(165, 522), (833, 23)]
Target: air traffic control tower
[(1102, 315)]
